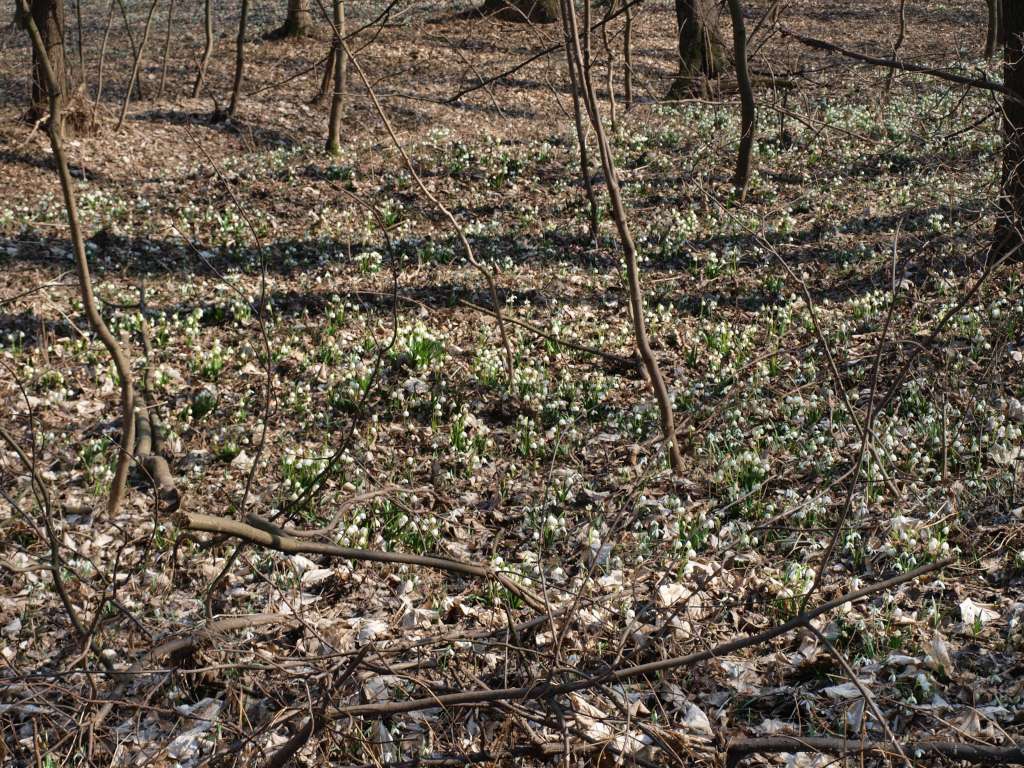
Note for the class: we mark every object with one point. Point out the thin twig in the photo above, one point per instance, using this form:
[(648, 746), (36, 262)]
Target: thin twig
[(950, 750), (546, 691)]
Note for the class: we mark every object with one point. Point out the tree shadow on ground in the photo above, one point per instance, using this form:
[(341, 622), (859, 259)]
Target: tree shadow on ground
[(921, 254), (211, 121)]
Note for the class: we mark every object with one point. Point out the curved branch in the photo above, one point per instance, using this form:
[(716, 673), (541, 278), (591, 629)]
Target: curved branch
[(269, 535), (121, 364)]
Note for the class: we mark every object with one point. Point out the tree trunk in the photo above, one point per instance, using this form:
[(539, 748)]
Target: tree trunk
[(236, 88), (207, 48), (629, 252), (993, 31), (1011, 193), (167, 49), (325, 81), (575, 85), (135, 67), (609, 55), (103, 56), (901, 36), (532, 11), (48, 16), (700, 48), (338, 96), (627, 55), (81, 50), (131, 41), (298, 22), (749, 111), (41, 48)]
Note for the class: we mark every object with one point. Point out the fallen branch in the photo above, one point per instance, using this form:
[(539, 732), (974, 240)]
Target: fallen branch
[(207, 633), (180, 645), (972, 753), (541, 690), (147, 430), (330, 529), (543, 751), (869, 700), (974, 82), (269, 535), (315, 721), (10, 567)]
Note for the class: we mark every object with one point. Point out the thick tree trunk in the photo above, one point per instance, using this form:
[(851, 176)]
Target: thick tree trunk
[(49, 18), (532, 11), (700, 47), (1011, 193), (298, 22)]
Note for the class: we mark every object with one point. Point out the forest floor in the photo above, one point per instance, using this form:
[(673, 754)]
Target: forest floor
[(322, 354)]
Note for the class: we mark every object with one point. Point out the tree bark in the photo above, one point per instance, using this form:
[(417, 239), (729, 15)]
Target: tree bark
[(575, 85), (298, 22), (629, 252), (48, 16), (993, 31), (627, 55), (1011, 192), (338, 96), (923, 751), (609, 54), (700, 48), (207, 48), (135, 67), (748, 118), (236, 88), (901, 36), (81, 50), (325, 81), (532, 11), (131, 41), (263, 533), (121, 362), (167, 49)]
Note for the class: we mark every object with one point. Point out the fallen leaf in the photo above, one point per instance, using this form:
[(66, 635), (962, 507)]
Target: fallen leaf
[(938, 654), (974, 613)]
